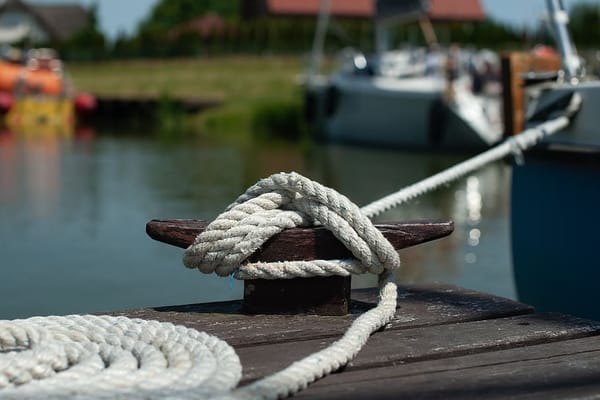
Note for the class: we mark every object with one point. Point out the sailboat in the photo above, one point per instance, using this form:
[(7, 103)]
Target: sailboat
[(427, 98)]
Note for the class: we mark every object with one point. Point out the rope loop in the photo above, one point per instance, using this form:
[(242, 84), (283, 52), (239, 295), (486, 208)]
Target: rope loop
[(281, 201)]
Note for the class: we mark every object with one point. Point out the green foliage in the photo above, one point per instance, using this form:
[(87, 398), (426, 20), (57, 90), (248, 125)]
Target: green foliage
[(170, 117), (155, 37), (585, 25), (489, 34), (169, 13), (280, 120), (246, 85), (88, 44), (125, 47)]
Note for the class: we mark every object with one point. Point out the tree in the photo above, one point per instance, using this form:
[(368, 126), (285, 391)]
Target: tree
[(167, 14), (87, 44), (585, 25)]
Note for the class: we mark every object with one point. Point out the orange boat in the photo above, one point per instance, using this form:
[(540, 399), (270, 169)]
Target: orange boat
[(38, 76), (35, 89)]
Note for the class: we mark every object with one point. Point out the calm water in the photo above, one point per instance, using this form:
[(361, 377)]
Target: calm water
[(73, 215)]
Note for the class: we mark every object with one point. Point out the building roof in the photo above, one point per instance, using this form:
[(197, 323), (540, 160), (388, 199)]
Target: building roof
[(458, 10), (64, 20), (453, 10), (61, 21), (345, 8)]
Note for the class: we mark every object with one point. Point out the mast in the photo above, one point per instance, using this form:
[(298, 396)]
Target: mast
[(319, 40), (558, 21)]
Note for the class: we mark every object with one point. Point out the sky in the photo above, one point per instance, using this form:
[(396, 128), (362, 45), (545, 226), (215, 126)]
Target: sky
[(124, 15)]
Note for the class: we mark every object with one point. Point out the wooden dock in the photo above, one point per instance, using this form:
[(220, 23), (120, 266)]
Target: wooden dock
[(123, 107), (444, 343)]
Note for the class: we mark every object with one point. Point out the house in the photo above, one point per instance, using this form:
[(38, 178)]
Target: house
[(41, 23)]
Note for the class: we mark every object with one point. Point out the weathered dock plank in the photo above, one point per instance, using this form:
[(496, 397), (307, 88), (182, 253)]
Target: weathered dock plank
[(419, 305), (426, 343), (127, 105), (444, 343), (559, 370)]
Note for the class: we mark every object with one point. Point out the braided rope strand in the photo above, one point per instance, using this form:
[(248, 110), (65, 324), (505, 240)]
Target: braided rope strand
[(300, 269)]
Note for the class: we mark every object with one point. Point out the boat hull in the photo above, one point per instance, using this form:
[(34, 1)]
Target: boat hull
[(41, 115), (390, 112), (555, 213), (555, 219)]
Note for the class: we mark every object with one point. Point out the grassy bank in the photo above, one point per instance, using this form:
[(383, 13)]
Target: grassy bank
[(247, 85)]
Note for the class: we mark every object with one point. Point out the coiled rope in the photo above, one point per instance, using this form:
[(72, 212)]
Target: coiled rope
[(97, 357), (103, 357), (91, 357)]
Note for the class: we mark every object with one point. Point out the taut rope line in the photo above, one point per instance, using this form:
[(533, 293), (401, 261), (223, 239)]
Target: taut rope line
[(97, 357), (515, 144)]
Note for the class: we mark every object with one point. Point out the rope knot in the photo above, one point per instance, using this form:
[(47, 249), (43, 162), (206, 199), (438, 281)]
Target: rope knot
[(281, 201)]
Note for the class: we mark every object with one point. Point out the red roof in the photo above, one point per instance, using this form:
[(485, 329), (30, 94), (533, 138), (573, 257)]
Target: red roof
[(345, 8), (438, 9), (459, 10)]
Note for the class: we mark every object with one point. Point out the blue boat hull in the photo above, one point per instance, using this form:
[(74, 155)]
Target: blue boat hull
[(555, 231)]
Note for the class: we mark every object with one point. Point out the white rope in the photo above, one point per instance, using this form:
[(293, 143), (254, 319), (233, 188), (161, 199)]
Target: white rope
[(300, 374), (514, 145), (105, 357), (300, 269), (102, 357), (523, 141), (283, 201)]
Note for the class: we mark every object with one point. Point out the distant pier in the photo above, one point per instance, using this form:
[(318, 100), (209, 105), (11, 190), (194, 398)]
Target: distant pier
[(124, 107)]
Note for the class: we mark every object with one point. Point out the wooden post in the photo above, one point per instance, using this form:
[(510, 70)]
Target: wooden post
[(515, 66), (428, 31), (323, 295)]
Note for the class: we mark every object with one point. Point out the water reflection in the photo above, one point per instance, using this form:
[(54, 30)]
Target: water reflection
[(8, 176), (473, 198), (74, 210)]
